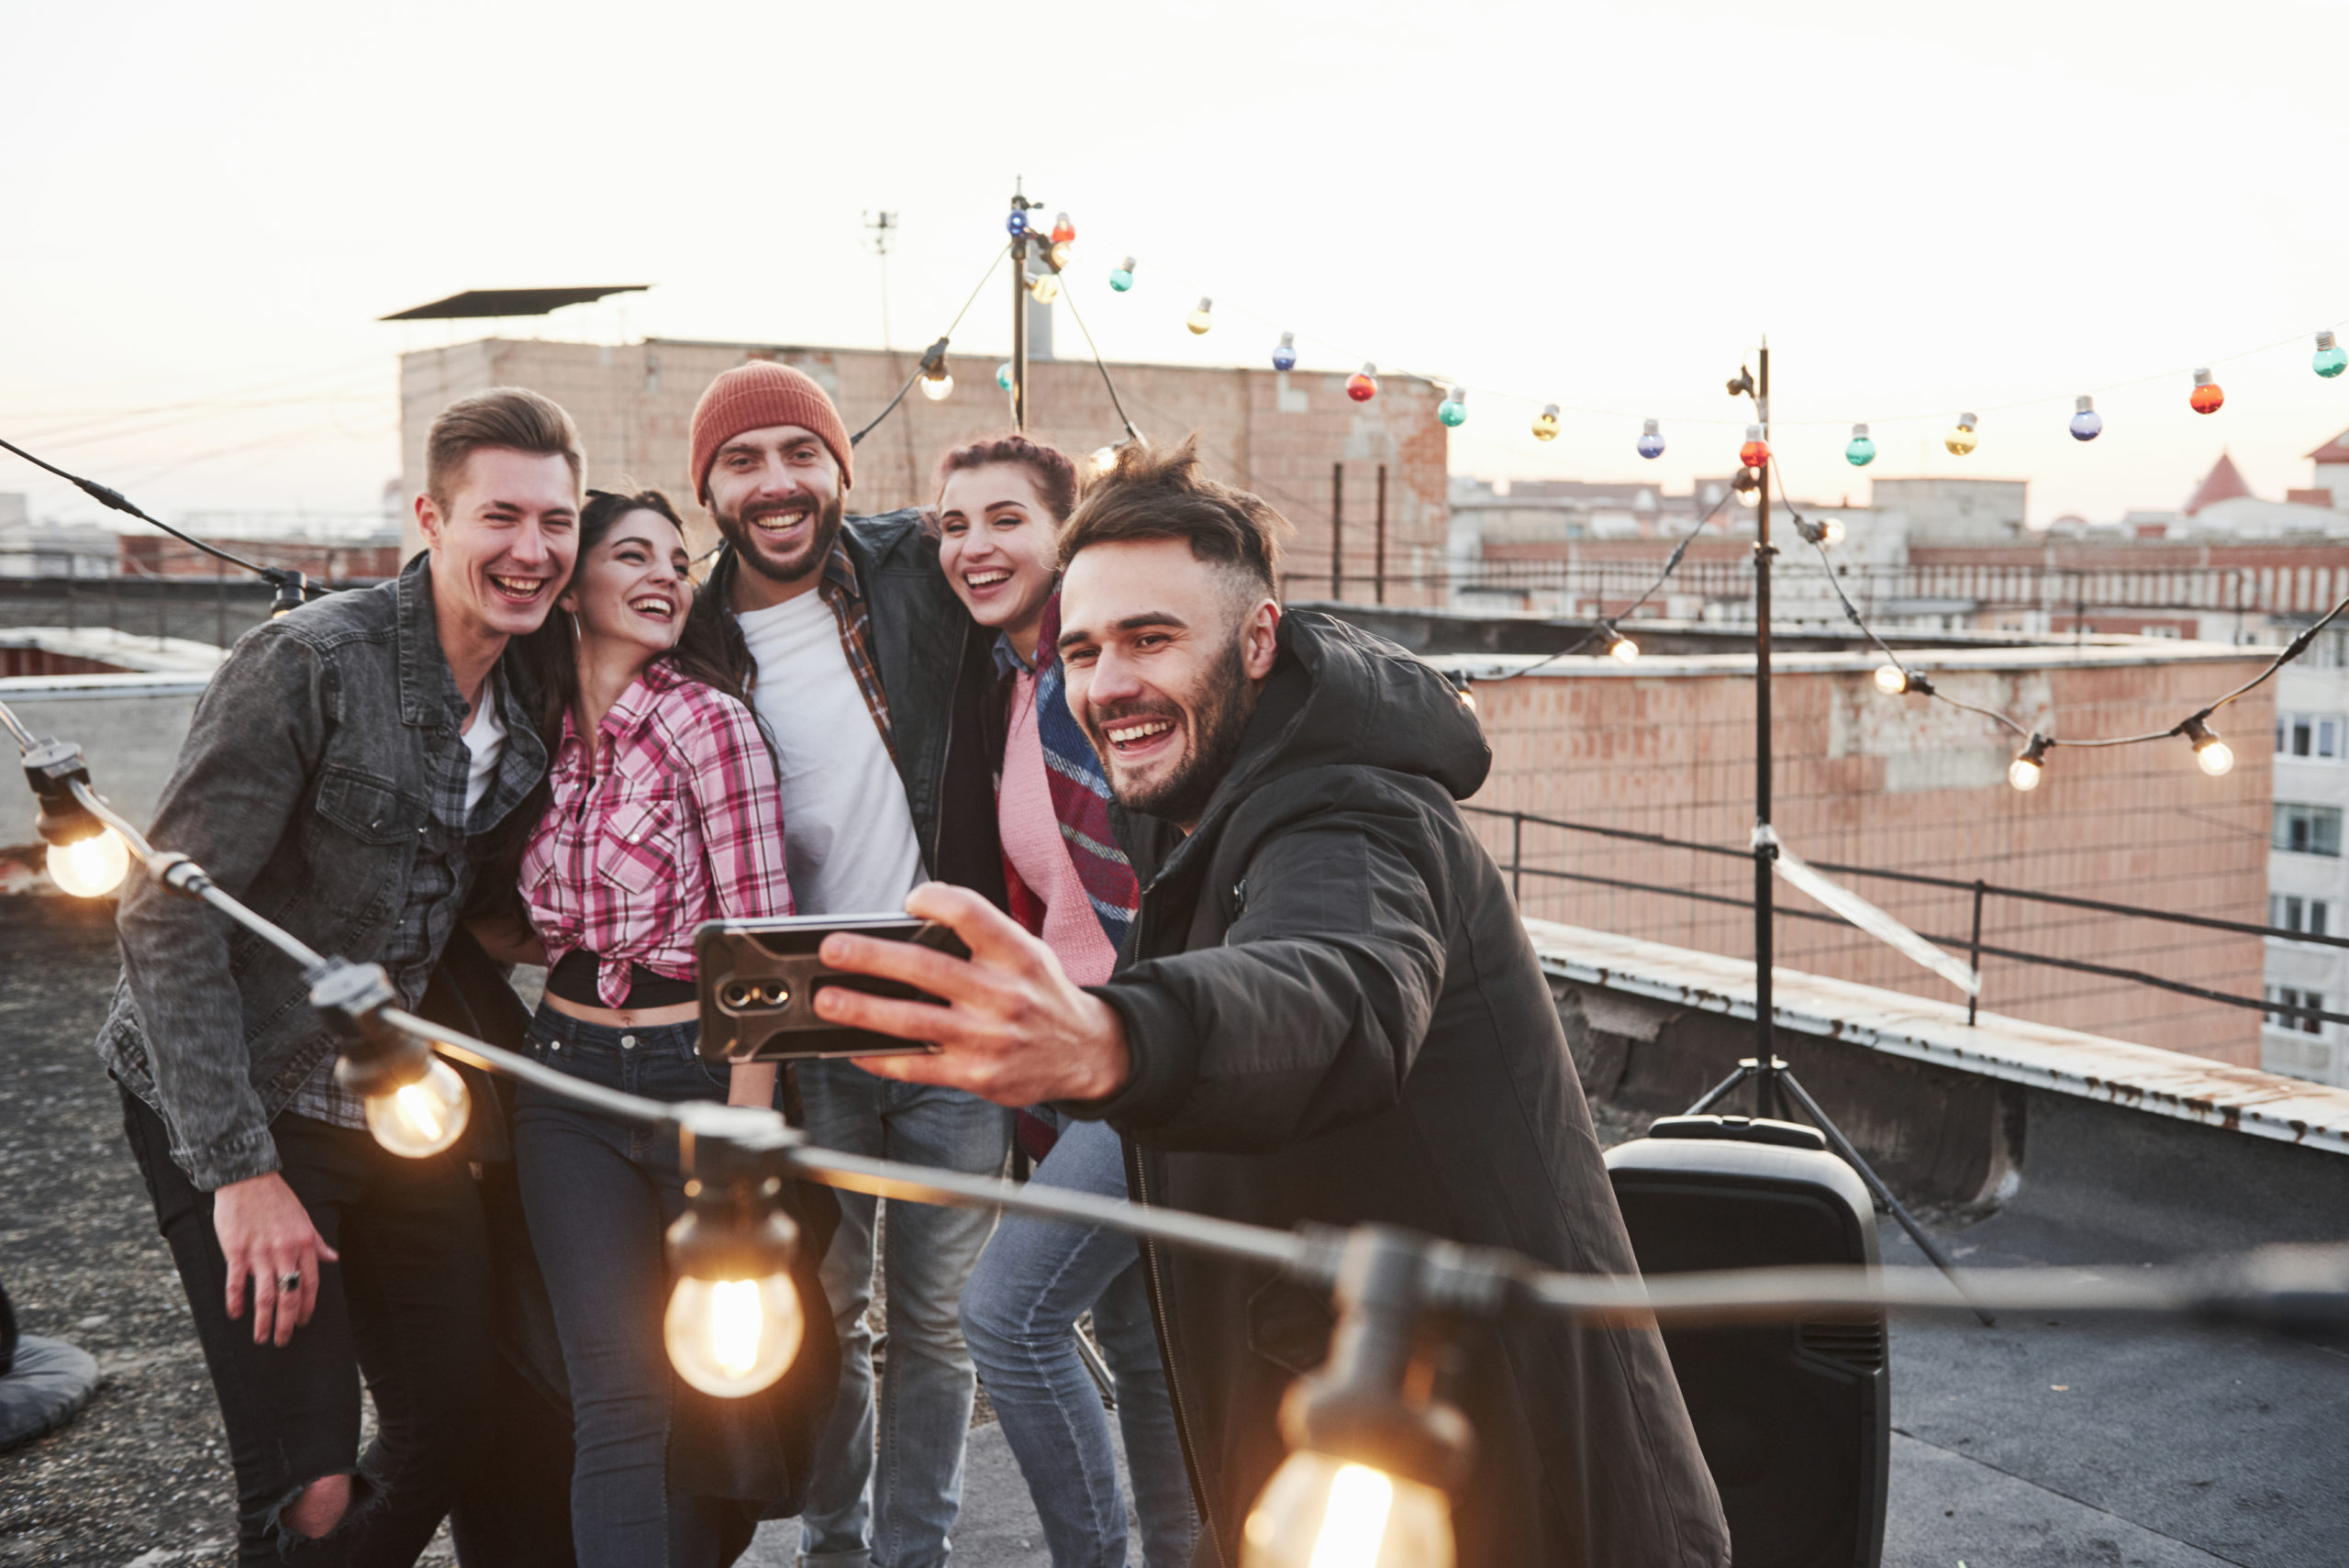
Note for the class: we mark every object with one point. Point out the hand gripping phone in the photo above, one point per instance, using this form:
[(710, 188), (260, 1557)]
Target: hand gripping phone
[(759, 980)]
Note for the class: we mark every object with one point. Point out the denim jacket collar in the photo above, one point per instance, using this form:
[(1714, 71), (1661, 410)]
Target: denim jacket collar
[(428, 693)]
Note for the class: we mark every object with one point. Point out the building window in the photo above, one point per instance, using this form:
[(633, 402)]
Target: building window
[(2298, 1023), (2309, 735), (2291, 912), (2308, 830)]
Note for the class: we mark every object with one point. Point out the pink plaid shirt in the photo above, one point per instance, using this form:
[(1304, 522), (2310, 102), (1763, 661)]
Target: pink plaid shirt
[(674, 820)]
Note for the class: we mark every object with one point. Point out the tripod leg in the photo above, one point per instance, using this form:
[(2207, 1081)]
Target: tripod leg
[(1712, 1096), (1842, 1146)]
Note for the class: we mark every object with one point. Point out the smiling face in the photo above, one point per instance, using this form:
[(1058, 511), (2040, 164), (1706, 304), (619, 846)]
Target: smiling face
[(503, 541), (776, 495), (1165, 653), (995, 539), (631, 590)]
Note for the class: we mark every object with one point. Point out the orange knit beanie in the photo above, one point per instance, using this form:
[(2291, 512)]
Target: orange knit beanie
[(754, 396)]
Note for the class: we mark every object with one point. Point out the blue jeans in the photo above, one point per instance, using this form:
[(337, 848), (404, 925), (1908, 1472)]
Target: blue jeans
[(1020, 1314), (887, 1495), (598, 1194)]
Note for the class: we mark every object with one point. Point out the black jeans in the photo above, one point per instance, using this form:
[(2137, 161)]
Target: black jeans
[(408, 1307)]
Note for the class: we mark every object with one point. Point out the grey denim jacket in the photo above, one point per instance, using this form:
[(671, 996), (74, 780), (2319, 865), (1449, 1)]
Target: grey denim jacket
[(301, 790)]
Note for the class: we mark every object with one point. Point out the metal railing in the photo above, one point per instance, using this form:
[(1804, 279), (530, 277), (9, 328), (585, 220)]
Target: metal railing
[(1978, 889)]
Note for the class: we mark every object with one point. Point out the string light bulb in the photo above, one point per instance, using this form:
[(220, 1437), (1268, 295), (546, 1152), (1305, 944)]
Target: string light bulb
[(937, 377), (1467, 695), (1651, 439), (1103, 459), (1017, 223), (1860, 451), (2029, 764), (292, 589), (1200, 318), (1320, 1511), (1062, 253), (1285, 353), (1003, 376), (2330, 358), (422, 1116), (1545, 424), (1454, 410), (2086, 423), (1831, 530), (90, 867), (1621, 649), (1891, 680), (1755, 452), (1363, 385), (1962, 439), (1121, 276), (2213, 755), (1063, 232), (1044, 287), (2206, 397), (735, 1320)]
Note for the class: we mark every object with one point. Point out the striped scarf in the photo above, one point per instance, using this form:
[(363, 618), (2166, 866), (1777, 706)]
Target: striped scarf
[(1081, 791)]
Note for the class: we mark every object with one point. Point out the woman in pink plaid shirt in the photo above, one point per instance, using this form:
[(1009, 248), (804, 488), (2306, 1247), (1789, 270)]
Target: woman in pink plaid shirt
[(661, 812)]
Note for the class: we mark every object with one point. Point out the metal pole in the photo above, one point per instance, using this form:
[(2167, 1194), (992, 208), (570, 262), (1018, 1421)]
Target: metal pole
[(1974, 1002), (1765, 1086), (1019, 321), (1337, 530), (1380, 557), (1517, 858)]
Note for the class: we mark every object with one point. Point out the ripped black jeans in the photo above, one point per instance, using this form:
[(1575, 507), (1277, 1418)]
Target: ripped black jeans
[(408, 1307)]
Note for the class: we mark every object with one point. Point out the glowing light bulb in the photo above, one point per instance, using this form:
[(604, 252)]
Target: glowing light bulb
[(1748, 495), (91, 867), (1285, 353), (1454, 410), (1623, 651), (1121, 276), (1831, 530), (1651, 439), (1755, 452), (2207, 397), (2213, 755), (939, 387), (1363, 385), (1199, 320), (1044, 287), (2025, 771), (423, 1116), (1322, 1512), (1103, 459), (1545, 424), (2086, 423), (1003, 376), (1960, 441), (2330, 358), (1017, 222), (1061, 255), (1062, 229), (733, 1336), (1860, 451), (1891, 680)]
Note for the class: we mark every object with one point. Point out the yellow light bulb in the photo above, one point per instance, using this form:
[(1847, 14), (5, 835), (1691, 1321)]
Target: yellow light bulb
[(1545, 424), (1321, 1512), (1890, 680), (733, 1338), (2215, 755), (422, 1118), (1624, 649), (1062, 254), (1831, 531), (1044, 287), (937, 388), (1963, 439), (2023, 774), (91, 867), (1199, 320)]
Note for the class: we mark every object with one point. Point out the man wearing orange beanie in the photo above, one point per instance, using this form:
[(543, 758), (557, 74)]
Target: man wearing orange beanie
[(874, 684)]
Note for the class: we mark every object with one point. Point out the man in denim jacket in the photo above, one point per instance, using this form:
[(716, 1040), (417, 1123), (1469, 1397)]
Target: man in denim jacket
[(342, 767)]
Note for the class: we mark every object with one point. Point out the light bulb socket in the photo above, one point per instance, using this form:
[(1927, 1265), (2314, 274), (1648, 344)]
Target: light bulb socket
[(733, 1229), (2083, 405), (1914, 684), (2203, 378), (1746, 480), (2034, 752), (53, 768), (1356, 1407), (1647, 426), (1859, 432), (1742, 383), (1206, 303), (376, 1058), (2325, 341), (1967, 422), (934, 361), (292, 588), (2199, 734), (1127, 265)]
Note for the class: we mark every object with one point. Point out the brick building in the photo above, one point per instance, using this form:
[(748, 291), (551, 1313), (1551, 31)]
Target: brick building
[(1279, 434)]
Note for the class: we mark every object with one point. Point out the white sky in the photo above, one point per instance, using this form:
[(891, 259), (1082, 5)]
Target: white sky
[(1927, 208)]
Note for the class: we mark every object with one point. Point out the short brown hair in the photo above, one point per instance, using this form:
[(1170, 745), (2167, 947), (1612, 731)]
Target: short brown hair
[(511, 416), (1050, 468), (1154, 493)]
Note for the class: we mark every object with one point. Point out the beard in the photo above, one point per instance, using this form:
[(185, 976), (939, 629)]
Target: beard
[(740, 533), (1218, 722)]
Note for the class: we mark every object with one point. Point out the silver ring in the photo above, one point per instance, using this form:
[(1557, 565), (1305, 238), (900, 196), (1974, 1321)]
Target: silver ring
[(289, 1282)]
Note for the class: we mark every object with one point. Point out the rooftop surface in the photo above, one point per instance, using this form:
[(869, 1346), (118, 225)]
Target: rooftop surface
[(2040, 1441)]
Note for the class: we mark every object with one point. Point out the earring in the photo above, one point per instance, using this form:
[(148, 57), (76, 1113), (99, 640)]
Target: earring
[(577, 635)]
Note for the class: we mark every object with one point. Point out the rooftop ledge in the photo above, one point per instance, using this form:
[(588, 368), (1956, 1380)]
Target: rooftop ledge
[(2040, 1056), (2105, 654)]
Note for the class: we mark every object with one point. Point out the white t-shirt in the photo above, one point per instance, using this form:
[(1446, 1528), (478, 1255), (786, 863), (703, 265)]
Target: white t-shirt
[(848, 835), (485, 738)]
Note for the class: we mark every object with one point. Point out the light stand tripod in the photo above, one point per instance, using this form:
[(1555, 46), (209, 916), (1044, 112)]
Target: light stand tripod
[(1774, 1082)]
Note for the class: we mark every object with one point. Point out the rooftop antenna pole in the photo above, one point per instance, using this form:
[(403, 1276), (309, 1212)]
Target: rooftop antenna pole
[(882, 224), (1019, 204)]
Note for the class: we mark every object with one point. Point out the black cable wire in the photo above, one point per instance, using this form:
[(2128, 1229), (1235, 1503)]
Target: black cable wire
[(943, 337), (1069, 297)]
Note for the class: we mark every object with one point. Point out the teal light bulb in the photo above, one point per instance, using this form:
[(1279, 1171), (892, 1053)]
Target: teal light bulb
[(2330, 358), (1121, 276), (1860, 450), (1454, 410), (1003, 376)]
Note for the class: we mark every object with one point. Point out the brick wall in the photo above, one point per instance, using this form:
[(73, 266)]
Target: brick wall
[(1277, 435)]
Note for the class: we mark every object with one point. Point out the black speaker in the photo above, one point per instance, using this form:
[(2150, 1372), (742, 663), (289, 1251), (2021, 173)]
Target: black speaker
[(1794, 1419)]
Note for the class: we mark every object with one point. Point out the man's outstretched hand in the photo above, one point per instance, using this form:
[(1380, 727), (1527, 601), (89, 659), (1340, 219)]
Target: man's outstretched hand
[(1014, 1028)]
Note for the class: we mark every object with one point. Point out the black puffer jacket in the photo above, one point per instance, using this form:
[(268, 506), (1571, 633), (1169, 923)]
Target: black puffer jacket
[(1335, 1015)]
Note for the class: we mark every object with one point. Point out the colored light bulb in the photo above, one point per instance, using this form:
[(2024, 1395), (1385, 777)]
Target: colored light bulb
[(1860, 451), (421, 1117), (1961, 440), (1320, 1511), (1285, 353), (1651, 439), (1200, 318), (1545, 424), (1044, 287), (1454, 410), (1017, 222), (1062, 229), (1003, 376), (1121, 276), (2330, 358), (733, 1336), (1061, 255), (1363, 385), (2086, 423), (91, 867), (2207, 397), (1755, 452)]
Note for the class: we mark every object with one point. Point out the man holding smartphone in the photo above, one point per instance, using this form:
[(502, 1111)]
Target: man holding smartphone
[(1328, 1011), (869, 678)]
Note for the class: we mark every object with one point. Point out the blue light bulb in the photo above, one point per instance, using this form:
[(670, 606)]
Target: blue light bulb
[(1017, 222), (1861, 450), (2330, 358), (1285, 353), (1651, 441), (2086, 423), (1121, 276)]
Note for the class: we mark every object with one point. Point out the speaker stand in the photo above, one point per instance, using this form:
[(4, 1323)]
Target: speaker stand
[(1774, 1079)]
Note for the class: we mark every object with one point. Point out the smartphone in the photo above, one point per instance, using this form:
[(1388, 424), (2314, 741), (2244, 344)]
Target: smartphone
[(759, 980)]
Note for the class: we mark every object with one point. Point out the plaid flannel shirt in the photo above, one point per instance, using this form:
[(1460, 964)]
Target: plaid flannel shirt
[(841, 591), (673, 819)]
